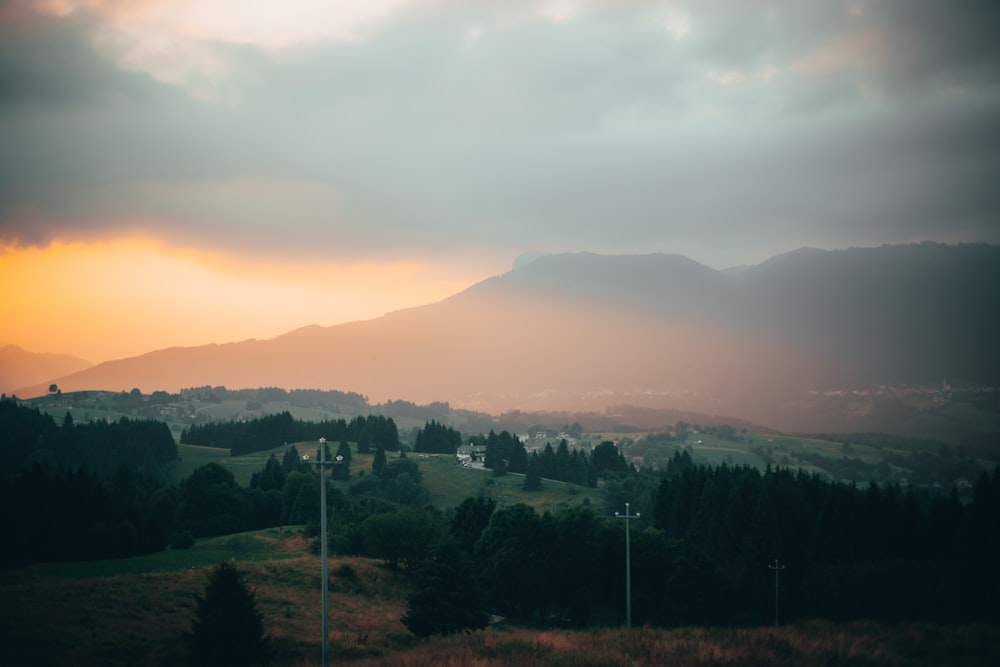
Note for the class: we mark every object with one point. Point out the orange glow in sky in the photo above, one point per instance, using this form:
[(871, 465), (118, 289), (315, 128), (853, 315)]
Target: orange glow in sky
[(102, 301)]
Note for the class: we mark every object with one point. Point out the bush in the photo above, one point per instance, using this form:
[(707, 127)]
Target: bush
[(183, 539)]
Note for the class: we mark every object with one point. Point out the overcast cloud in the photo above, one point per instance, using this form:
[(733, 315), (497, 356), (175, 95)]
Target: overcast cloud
[(727, 130)]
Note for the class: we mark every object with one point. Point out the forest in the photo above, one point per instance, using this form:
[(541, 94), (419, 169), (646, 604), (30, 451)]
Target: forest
[(701, 550)]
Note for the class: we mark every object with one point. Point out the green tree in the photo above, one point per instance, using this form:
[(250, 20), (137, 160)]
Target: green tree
[(499, 468), (518, 459), (378, 462), (404, 537), (227, 628), (364, 442), (342, 470), (292, 462), (606, 457), (271, 478), (469, 520), (533, 478), (437, 438), (211, 502), (448, 597)]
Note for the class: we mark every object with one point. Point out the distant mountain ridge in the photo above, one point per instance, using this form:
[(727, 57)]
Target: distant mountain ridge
[(19, 367), (584, 331)]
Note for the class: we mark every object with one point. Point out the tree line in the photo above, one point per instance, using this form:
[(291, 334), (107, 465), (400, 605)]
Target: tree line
[(704, 555), (699, 552), (29, 436), (263, 433)]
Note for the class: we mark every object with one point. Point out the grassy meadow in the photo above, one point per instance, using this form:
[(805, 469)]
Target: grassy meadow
[(449, 483), (135, 612)]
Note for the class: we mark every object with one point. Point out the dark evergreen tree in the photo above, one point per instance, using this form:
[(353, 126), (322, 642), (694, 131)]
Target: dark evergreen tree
[(518, 459), (227, 629), (364, 441), (211, 502), (533, 478), (271, 478), (499, 468), (606, 458), (437, 438), (379, 462), (342, 469), (292, 462), (448, 597), (561, 471), (469, 520)]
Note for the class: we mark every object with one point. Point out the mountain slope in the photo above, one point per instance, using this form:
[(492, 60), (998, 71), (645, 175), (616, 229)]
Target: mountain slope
[(584, 331), (19, 368)]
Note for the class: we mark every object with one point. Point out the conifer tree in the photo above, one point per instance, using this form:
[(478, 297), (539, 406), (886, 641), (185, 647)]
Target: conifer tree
[(228, 629), (378, 463), (533, 478), (448, 597)]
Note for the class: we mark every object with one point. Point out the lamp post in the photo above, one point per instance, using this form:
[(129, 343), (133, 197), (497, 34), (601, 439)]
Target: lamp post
[(777, 568), (628, 565), (322, 463)]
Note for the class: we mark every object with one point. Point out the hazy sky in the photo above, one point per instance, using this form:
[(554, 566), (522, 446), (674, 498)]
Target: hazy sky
[(177, 173)]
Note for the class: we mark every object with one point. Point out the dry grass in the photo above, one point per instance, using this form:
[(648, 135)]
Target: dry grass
[(813, 644), (139, 618)]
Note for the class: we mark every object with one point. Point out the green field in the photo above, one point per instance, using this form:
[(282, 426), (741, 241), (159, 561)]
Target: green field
[(448, 483)]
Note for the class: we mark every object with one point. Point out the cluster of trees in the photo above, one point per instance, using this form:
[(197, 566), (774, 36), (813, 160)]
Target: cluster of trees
[(506, 453), (263, 433), (299, 397), (57, 513), (701, 548), (703, 556), (29, 436), (874, 552), (436, 438)]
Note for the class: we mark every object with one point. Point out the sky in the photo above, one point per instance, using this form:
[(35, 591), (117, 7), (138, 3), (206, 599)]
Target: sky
[(182, 173)]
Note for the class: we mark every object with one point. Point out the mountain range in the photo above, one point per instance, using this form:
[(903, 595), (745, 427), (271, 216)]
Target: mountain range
[(586, 331)]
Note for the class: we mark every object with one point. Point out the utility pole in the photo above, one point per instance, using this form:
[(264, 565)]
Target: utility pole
[(628, 565), (777, 568), (322, 548), (324, 583)]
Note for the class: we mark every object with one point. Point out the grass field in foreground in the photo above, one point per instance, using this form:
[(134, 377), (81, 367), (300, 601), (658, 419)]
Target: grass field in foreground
[(115, 613)]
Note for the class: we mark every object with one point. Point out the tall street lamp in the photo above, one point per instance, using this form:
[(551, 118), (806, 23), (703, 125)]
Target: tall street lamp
[(777, 568), (628, 565), (322, 531)]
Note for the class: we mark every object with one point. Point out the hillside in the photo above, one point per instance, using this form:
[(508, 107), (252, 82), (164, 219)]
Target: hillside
[(584, 332), (19, 367), (136, 611)]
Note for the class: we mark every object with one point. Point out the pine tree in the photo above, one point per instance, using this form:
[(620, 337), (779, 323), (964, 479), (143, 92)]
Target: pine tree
[(448, 598), (378, 463), (343, 469), (533, 478), (228, 629)]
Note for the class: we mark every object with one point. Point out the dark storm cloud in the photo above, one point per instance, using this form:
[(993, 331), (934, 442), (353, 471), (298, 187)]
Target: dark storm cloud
[(926, 39), (647, 126)]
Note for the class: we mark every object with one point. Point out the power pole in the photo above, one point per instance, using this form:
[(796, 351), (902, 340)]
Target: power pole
[(628, 565), (322, 548), (324, 583), (777, 568)]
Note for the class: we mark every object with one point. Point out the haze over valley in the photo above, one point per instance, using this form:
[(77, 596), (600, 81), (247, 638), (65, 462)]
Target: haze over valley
[(809, 340)]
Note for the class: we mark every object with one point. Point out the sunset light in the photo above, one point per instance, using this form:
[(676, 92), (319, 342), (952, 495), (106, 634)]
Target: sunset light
[(103, 301), (182, 173)]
